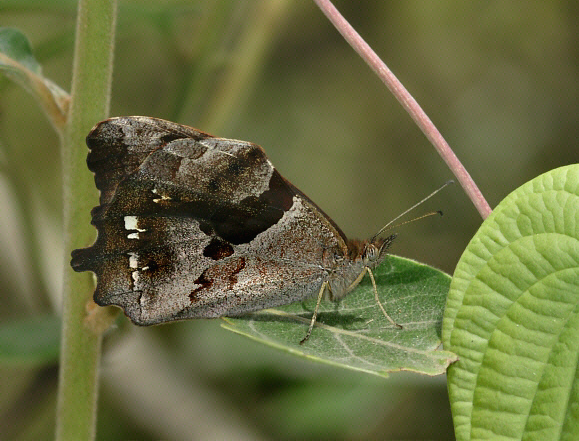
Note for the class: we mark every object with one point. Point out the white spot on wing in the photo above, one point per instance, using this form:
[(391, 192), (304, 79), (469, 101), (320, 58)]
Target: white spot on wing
[(131, 223), (133, 260), (162, 198), (134, 264)]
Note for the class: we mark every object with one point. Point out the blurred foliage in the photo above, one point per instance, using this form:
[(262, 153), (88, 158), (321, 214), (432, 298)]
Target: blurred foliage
[(498, 79)]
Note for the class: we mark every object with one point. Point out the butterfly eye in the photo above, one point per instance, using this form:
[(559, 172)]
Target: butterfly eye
[(371, 252)]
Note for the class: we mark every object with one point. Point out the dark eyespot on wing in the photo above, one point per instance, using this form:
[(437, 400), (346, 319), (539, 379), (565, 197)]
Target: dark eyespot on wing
[(218, 249), (205, 283)]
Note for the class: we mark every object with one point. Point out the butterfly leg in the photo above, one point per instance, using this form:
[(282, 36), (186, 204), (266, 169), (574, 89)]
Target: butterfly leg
[(378, 300), (313, 322)]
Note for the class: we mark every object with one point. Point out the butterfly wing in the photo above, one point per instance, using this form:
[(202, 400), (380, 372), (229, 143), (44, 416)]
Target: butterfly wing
[(195, 226)]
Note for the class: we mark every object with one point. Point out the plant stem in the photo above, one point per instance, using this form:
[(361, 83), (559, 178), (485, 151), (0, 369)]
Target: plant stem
[(409, 103), (81, 332)]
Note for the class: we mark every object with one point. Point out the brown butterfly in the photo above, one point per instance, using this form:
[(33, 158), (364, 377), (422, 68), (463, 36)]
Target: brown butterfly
[(193, 226)]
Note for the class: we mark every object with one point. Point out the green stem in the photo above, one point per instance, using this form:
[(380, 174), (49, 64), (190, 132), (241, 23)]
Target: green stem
[(81, 331)]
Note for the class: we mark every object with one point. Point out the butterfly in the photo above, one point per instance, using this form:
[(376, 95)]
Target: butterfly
[(194, 226)]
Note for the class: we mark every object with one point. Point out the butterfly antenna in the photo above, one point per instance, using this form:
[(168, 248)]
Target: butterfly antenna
[(388, 225)]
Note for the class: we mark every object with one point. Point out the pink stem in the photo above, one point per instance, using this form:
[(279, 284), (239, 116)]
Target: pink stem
[(409, 103)]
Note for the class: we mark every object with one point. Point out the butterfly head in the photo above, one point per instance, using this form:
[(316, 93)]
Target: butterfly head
[(363, 256), (369, 253), (375, 250)]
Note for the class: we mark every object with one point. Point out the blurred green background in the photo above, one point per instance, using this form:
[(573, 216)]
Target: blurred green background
[(498, 78)]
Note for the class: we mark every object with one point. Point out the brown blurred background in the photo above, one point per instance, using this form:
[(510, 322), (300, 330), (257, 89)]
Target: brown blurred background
[(498, 78)]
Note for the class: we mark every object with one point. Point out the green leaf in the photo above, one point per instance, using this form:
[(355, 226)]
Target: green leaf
[(513, 317), (18, 63), (15, 45), (355, 334), (33, 341)]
